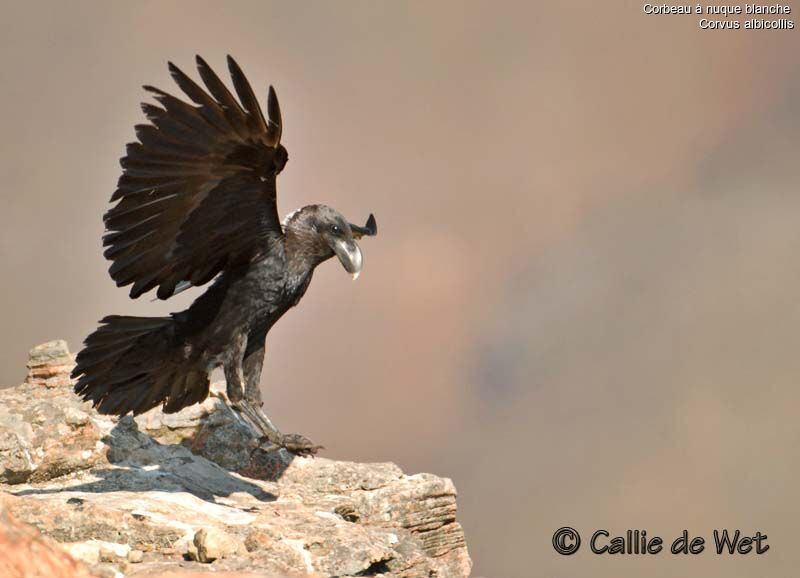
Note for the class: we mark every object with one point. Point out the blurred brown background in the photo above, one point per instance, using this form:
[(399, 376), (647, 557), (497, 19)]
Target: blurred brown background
[(582, 305)]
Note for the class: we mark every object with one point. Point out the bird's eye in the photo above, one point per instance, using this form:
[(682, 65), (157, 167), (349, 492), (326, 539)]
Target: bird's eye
[(336, 230)]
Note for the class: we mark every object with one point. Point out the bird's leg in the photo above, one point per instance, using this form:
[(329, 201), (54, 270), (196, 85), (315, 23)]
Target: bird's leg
[(236, 387), (251, 366), (245, 395)]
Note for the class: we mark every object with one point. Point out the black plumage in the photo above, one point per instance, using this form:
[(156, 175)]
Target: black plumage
[(197, 202)]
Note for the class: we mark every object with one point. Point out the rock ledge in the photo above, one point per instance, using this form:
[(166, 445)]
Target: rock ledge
[(190, 492)]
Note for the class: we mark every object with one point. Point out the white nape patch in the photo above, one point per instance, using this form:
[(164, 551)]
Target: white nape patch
[(290, 216)]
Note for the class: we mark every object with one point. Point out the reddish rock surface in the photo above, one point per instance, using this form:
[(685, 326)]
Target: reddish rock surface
[(25, 552)]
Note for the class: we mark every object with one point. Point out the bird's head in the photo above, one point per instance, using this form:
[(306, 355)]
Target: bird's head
[(316, 233)]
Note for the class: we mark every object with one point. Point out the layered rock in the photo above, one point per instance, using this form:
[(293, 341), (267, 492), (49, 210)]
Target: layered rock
[(193, 491)]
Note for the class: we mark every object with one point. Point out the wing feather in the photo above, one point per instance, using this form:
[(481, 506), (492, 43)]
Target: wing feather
[(217, 88), (197, 193), (275, 121), (255, 117)]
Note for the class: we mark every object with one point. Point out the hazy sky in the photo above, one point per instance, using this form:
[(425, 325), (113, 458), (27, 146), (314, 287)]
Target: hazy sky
[(582, 302)]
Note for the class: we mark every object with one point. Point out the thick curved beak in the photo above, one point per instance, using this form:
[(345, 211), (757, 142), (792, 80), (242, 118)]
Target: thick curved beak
[(349, 254)]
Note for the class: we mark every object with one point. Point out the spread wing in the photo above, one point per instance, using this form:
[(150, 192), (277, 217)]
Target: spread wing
[(197, 193)]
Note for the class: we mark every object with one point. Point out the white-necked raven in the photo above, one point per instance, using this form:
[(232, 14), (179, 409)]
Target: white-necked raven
[(196, 202)]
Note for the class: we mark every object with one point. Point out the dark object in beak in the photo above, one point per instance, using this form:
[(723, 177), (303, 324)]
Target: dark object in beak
[(349, 254), (368, 230)]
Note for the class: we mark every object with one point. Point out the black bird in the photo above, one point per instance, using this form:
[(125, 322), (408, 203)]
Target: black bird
[(196, 202)]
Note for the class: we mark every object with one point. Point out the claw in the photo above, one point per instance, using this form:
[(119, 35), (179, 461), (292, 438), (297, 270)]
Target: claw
[(300, 445), (294, 443)]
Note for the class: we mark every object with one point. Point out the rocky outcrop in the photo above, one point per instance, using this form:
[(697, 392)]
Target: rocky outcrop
[(193, 491)]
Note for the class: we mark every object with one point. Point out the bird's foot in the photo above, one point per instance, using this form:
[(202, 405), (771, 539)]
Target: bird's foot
[(293, 443), (298, 445)]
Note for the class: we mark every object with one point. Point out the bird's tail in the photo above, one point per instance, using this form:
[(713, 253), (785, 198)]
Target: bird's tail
[(136, 363)]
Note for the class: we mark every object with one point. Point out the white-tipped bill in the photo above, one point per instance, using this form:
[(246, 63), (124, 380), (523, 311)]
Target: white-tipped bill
[(349, 255)]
